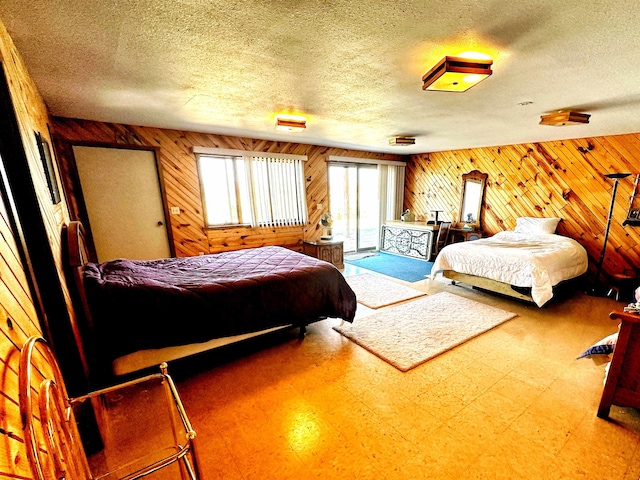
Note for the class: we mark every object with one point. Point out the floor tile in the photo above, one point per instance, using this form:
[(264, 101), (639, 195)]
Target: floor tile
[(512, 403)]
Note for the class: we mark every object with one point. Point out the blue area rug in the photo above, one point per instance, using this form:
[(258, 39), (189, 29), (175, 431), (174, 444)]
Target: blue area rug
[(404, 268)]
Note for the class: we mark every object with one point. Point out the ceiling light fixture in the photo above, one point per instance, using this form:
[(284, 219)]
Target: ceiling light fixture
[(457, 74), (561, 119), (291, 124), (402, 141)]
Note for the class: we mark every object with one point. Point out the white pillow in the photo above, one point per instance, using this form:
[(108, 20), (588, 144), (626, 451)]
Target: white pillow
[(536, 225)]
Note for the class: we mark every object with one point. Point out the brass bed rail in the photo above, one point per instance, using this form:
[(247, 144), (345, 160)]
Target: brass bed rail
[(62, 442)]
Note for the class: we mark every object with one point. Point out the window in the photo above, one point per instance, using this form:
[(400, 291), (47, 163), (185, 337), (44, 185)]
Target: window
[(364, 193), (252, 188), (224, 190)]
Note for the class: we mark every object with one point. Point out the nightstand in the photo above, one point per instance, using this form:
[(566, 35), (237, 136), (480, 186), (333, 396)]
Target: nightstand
[(621, 386), (462, 235), (328, 250)]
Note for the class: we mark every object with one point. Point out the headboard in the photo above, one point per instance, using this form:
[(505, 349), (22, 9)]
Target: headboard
[(77, 257), (74, 259), (76, 244)]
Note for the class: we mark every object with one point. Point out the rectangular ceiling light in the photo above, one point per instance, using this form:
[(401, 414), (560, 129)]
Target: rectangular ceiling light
[(456, 74), (564, 118), (290, 125), (402, 141)]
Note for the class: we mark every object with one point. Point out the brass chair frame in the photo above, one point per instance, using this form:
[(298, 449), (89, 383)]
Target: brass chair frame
[(60, 429)]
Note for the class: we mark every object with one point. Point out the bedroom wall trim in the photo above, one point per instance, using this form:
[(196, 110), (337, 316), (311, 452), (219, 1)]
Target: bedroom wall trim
[(369, 161), (245, 153)]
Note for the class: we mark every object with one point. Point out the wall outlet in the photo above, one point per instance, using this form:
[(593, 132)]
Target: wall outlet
[(175, 210)]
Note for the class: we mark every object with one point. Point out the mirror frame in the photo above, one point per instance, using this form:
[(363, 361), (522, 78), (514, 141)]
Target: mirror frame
[(474, 176)]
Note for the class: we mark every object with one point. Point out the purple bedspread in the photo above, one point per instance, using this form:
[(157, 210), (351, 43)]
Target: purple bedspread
[(138, 305)]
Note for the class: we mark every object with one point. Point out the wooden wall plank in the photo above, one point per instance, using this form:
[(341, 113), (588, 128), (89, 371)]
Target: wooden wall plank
[(227, 239), (18, 317), (180, 176), (557, 178)]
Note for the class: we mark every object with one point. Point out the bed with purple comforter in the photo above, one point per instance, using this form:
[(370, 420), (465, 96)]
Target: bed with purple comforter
[(138, 305)]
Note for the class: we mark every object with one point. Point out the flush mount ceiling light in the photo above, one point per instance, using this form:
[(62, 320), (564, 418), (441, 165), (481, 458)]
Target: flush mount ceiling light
[(457, 74), (561, 119), (402, 141), (291, 124)]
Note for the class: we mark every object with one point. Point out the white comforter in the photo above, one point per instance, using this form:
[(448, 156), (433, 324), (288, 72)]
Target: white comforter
[(539, 261)]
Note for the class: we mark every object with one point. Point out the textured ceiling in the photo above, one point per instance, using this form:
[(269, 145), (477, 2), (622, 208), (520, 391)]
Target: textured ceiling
[(353, 68)]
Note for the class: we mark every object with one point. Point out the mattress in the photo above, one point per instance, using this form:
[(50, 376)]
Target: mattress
[(538, 261), (137, 305)]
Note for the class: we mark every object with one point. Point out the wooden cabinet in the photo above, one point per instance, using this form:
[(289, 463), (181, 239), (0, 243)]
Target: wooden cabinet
[(411, 239), (461, 235), (622, 386), (328, 250)]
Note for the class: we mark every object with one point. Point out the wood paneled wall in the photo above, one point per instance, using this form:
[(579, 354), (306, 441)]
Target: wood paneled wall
[(18, 317), (550, 179), (561, 178), (18, 321), (182, 188)]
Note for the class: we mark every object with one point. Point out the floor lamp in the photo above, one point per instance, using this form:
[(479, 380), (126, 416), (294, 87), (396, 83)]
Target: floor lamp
[(615, 177)]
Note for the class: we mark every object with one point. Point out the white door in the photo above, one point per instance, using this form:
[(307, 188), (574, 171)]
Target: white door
[(121, 191)]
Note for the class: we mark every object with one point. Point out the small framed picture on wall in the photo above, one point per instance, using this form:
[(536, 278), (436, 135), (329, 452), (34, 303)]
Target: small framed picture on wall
[(49, 168)]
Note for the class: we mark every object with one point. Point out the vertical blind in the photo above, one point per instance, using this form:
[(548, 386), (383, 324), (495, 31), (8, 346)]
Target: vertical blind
[(391, 175), (390, 191), (278, 196), (266, 190), (390, 184)]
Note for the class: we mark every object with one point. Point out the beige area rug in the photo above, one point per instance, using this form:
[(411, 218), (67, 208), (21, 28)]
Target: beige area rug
[(410, 334), (374, 291)]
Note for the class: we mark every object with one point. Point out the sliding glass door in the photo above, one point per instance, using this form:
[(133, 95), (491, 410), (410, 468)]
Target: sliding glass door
[(355, 204)]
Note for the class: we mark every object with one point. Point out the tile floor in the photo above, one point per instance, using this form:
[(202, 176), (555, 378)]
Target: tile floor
[(513, 403)]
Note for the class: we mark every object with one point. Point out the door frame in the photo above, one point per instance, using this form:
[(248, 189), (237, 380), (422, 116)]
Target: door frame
[(377, 245), (78, 207), (357, 166)]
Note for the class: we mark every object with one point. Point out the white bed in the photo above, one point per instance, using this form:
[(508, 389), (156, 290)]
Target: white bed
[(536, 260)]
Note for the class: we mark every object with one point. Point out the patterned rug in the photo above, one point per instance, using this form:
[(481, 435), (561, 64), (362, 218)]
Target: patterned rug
[(410, 334), (375, 291)]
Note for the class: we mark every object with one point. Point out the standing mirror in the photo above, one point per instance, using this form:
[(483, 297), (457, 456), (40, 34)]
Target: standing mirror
[(473, 184)]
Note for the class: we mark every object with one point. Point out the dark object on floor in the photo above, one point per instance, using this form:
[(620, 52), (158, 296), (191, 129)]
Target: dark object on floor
[(622, 286)]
